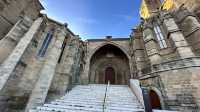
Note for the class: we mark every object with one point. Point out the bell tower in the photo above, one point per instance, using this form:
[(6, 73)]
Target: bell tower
[(148, 7)]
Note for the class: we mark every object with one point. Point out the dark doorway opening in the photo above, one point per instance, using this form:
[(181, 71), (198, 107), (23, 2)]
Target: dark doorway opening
[(155, 100), (110, 75)]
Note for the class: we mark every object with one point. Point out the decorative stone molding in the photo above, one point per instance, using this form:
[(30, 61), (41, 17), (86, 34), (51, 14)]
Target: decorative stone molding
[(171, 65)]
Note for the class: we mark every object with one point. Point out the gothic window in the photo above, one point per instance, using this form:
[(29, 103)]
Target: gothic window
[(45, 43), (160, 37)]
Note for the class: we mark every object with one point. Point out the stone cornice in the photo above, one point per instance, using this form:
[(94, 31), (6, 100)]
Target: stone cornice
[(113, 39)]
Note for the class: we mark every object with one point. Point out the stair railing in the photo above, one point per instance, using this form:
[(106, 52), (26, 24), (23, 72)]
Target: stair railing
[(105, 96)]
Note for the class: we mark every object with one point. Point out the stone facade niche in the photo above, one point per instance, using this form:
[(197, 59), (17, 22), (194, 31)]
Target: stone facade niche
[(109, 63)]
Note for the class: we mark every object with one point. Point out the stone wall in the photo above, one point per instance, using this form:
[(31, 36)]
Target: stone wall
[(15, 93), (11, 10), (173, 71), (192, 5), (177, 83), (68, 69), (190, 27), (10, 41)]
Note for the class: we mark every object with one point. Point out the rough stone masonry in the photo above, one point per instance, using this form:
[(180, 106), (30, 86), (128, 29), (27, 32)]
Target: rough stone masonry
[(41, 59)]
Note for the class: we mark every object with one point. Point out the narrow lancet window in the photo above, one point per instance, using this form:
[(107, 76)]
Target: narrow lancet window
[(160, 37), (45, 43)]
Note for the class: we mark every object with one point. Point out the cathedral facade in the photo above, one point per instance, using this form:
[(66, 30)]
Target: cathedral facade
[(41, 59)]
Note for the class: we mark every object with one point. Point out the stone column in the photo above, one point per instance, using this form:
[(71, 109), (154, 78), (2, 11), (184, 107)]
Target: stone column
[(46, 74), (182, 47), (10, 63), (151, 45), (138, 50)]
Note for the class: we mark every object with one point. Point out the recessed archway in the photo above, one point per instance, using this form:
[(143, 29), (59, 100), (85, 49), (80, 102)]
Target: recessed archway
[(109, 62), (155, 100)]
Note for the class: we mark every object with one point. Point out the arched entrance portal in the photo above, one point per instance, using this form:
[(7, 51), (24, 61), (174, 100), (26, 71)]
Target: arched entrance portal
[(155, 100), (110, 75), (109, 63)]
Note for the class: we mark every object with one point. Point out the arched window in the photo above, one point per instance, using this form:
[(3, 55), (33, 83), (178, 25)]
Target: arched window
[(45, 43), (160, 37)]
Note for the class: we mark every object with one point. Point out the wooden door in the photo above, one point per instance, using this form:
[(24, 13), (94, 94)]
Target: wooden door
[(110, 75)]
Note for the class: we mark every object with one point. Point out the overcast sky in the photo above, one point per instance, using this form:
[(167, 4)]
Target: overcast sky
[(95, 18)]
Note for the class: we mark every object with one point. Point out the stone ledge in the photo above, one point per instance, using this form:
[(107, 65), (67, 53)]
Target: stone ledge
[(171, 65)]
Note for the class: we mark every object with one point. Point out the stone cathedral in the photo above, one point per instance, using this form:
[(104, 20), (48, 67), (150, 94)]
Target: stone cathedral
[(45, 67)]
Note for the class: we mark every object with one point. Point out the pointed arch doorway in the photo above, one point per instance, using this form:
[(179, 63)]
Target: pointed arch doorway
[(109, 63), (110, 75), (155, 100)]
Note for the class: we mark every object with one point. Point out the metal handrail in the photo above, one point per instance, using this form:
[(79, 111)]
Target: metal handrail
[(105, 96)]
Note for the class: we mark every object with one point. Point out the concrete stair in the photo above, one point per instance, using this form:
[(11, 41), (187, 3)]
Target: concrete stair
[(91, 98)]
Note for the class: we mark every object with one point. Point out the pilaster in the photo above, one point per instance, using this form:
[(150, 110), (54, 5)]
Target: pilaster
[(151, 44), (138, 50), (11, 62), (46, 74)]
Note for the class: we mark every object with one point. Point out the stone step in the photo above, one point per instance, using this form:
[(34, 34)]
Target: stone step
[(95, 103), (90, 98), (95, 109)]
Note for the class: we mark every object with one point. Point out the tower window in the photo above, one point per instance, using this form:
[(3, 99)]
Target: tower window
[(160, 37), (45, 43)]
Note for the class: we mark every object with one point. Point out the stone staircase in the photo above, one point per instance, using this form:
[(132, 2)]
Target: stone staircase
[(95, 98)]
